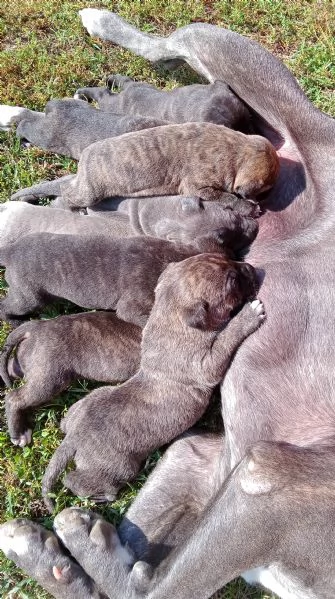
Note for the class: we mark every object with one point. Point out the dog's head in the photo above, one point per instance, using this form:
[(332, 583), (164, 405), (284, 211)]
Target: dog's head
[(258, 168), (229, 222), (206, 290)]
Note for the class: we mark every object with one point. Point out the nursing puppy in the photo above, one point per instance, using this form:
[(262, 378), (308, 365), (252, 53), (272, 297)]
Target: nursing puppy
[(68, 126), (91, 271), (93, 345), (187, 346), (174, 218), (214, 103), (194, 159)]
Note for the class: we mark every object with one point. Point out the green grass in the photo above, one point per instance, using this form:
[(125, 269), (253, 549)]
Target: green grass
[(45, 53)]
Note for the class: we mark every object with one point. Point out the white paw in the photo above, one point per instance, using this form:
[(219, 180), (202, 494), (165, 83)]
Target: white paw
[(258, 307), (91, 18), (24, 439), (11, 541), (8, 115)]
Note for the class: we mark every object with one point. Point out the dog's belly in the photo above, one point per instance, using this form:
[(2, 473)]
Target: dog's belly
[(281, 385), (277, 581)]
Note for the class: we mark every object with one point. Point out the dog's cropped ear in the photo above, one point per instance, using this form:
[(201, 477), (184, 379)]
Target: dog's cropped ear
[(204, 317)]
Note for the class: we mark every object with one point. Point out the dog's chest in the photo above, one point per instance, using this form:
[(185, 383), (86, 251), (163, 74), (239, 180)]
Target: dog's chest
[(274, 579)]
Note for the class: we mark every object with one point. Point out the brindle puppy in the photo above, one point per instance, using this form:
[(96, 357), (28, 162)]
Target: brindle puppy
[(93, 345), (194, 159), (91, 271), (213, 103), (187, 346)]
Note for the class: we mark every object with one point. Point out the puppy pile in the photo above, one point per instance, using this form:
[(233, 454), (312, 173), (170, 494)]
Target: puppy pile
[(174, 302)]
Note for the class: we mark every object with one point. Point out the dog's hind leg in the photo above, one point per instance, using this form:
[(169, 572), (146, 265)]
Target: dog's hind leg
[(45, 189), (174, 496), (272, 520), (256, 76), (102, 95), (41, 387), (119, 81), (176, 493), (37, 551)]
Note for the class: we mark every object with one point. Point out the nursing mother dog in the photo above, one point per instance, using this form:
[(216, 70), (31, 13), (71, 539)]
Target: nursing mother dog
[(268, 509)]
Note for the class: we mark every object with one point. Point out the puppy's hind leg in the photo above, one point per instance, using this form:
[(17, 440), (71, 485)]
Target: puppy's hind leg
[(40, 388), (37, 552), (45, 189), (101, 95), (119, 81)]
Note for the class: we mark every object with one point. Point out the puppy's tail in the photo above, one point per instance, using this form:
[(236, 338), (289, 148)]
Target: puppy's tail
[(60, 459), (13, 339)]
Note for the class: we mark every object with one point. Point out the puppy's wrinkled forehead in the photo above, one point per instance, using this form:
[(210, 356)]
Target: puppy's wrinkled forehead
[(200, 274)]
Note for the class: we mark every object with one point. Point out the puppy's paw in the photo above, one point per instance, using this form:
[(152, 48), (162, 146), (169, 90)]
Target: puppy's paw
[(8, 116), (91, 19), (23, 439), (258, 308)]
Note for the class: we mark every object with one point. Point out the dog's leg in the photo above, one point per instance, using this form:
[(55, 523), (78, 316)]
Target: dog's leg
[(40, 388), (37, 551), (119, 81), (175, 494), (93, 540), (255, 526), (45, 189), (261, 80), (102, 95)]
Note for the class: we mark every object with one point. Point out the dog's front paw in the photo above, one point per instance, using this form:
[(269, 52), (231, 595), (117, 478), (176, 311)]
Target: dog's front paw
[(91, 19), (258, 308)]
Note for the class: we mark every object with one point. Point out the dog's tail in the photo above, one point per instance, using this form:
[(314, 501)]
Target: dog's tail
[(60, 459), (13, 339)]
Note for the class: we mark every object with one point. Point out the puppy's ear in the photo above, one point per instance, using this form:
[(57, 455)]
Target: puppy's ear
[(204, 317), (191, 205), (196, 316)]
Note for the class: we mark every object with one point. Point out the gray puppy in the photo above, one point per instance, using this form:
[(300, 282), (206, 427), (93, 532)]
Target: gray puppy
[(214, 102), (187, 346), (68, 126), (194, 159), (174, 218), (91, 271), (93, 345)]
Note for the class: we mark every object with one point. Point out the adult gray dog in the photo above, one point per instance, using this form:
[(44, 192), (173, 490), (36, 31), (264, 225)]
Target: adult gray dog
[(213, 103), (262, 504)]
